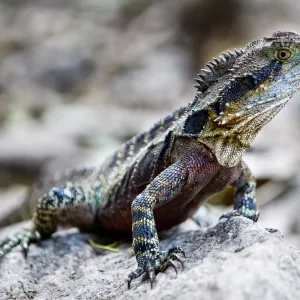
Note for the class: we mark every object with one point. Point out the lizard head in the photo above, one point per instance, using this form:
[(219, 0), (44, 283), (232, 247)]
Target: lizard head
[(242, 92), (260, 83)]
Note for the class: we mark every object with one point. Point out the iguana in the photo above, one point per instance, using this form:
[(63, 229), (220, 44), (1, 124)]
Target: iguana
[(160, 177)]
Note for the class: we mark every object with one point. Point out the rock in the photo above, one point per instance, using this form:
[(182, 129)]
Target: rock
[(233, 260)]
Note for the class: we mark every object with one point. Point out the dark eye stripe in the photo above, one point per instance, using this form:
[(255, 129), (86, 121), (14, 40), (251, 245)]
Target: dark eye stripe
[(249, 83), (241, 86)]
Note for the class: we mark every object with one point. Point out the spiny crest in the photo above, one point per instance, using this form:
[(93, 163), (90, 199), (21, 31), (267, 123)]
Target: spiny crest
[(217, 68), (283, 34), (277, 37)]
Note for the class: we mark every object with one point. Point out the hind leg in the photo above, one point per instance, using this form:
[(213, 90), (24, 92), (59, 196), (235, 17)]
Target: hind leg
[(59, 205)]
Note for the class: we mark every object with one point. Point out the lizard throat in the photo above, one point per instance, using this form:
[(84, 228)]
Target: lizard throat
[(228, 149), (229, 137)]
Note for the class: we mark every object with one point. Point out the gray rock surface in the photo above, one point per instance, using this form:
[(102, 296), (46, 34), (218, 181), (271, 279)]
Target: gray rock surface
[(236, 259)]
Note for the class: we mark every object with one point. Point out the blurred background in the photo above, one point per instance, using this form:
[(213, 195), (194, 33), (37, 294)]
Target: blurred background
[(78, 78)]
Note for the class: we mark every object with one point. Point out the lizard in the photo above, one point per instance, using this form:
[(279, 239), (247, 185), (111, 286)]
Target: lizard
[(160, 177)]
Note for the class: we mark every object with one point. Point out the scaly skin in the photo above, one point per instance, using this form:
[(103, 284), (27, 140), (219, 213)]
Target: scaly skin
[(160, 177)]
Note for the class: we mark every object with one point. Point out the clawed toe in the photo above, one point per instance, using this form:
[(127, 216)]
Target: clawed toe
[(252, 215), (151, 275), (255, 216), (134, 275), (29, 238), (273, 230), (23, 239), (170, 263), (174, 256), (176, 250), (230, 214), (157, 263), (24, 247)]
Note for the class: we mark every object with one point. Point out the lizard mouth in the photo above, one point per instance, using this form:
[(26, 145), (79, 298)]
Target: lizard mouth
[(266, 105), (252, 116), (236, 117)]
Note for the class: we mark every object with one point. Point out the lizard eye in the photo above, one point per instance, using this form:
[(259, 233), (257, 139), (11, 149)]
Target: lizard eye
[(283, 54)]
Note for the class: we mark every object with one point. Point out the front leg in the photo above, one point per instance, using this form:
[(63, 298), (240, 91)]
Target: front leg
[(244, 198), (162, 189)]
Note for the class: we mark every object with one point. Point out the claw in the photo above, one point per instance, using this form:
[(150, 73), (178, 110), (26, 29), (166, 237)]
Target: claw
[(176, 250), (176, 257), (24, 247), (170, 263), (157, 262), (130, 277), (151, 275), (236, 213), (256, 216), (272, 230), (230, 214), (182, 253), (31, 237), (134, 275), (38, 238), (129, 282)]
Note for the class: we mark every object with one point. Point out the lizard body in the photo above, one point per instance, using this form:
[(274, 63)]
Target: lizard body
[(159, 178)]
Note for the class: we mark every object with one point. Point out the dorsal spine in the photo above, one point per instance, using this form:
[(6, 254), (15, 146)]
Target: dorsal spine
[(217, 68)]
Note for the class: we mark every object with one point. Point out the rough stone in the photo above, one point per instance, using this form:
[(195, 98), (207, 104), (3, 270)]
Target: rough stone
[(236, 259)]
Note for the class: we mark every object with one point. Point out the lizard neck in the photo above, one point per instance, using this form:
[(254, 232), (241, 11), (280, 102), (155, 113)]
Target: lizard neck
[(228, 149), (228, 141), (228, 135)]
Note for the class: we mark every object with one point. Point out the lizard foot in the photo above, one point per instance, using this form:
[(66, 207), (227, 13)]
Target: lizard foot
[(273, 230), (24, 239), (230, 214), (150, 264), (235, 213)]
